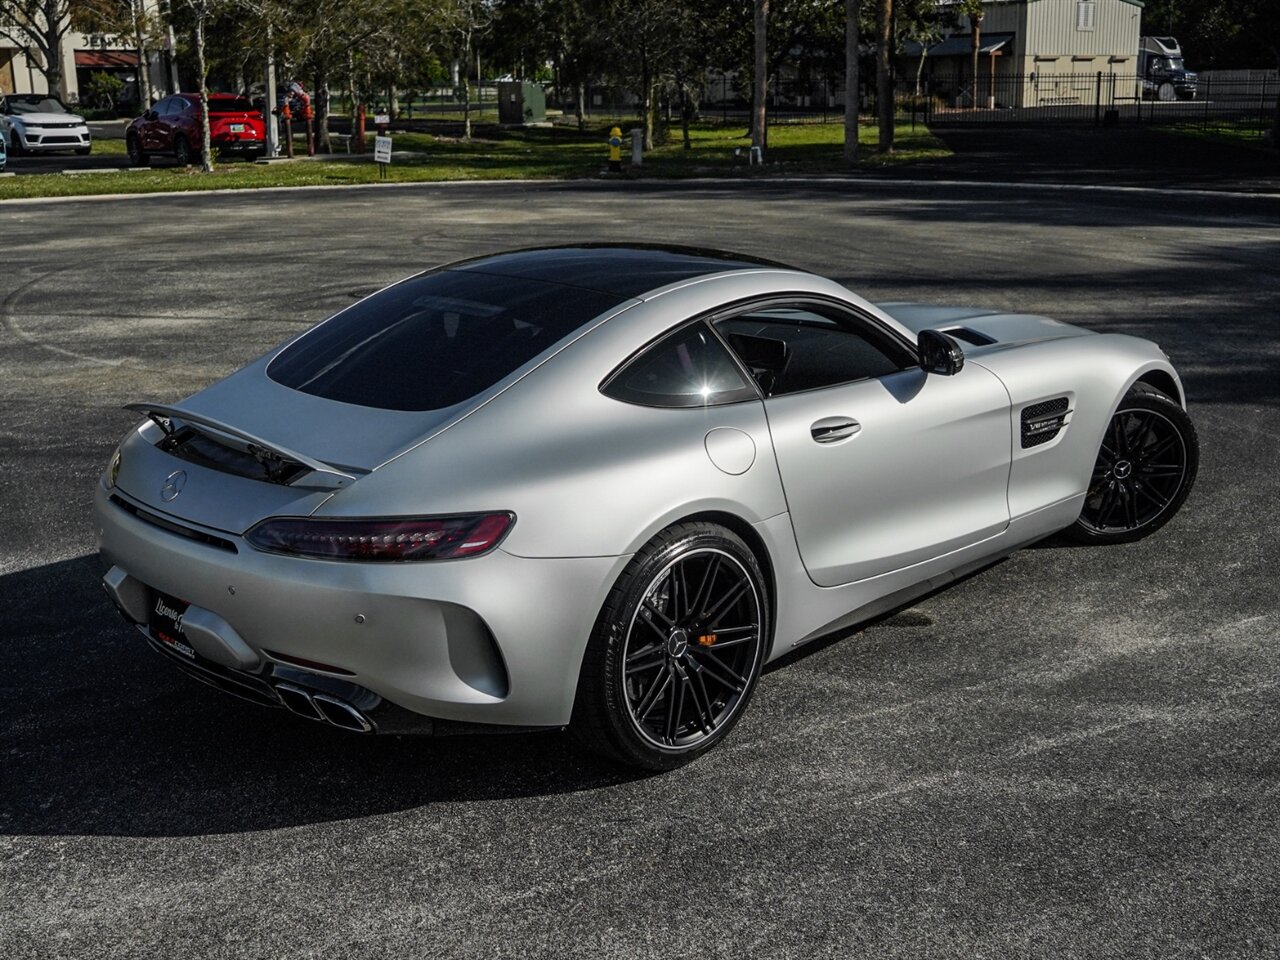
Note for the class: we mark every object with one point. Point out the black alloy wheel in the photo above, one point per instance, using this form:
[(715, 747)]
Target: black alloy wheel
[(1146, 465), (677, 650)]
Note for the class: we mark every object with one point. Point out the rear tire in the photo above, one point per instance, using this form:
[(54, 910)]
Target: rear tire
[(676, 651), (1145, 469)]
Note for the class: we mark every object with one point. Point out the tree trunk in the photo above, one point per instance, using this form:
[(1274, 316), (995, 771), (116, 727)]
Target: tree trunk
[(686, 111), (884, 74), (466, 87), (52, 52), (851, 81), (206, 157), (323, 106), (976, 20), (581, 106), (924, 52), (144, 65), (760, 82), (646, 99)]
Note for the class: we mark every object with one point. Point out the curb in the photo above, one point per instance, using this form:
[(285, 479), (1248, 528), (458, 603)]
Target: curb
[(677, 182)]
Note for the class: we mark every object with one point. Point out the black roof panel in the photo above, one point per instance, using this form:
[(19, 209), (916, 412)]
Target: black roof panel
[(621, 270)]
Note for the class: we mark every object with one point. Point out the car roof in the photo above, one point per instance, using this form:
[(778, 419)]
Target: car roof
[(623, 270)]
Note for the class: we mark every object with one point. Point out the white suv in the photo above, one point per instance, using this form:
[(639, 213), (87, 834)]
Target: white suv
[(40, 123)]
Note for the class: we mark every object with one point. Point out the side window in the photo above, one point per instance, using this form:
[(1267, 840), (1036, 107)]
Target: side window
[(687, 368), (804, 347)]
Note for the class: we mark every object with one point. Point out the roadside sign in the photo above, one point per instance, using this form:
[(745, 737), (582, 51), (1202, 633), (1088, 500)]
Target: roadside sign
[(381, 119), (382, 149)]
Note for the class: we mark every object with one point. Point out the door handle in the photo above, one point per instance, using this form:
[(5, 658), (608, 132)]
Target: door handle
[(831, 429)]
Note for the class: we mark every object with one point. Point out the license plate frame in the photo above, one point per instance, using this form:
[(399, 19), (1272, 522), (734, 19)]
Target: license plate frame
[(164, 622)]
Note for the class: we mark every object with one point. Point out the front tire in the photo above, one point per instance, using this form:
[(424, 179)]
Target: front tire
[(676, 651), (1145, 469), (15, 144), (137, 156), (182, 151)]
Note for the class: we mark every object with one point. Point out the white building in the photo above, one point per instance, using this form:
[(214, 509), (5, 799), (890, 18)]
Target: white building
[(84, 54)]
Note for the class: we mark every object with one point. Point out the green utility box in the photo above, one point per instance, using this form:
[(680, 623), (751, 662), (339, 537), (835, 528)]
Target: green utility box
[(520, 102)]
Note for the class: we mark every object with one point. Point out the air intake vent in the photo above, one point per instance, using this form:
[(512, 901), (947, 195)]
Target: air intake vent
[(970, 336), (1041, 422)]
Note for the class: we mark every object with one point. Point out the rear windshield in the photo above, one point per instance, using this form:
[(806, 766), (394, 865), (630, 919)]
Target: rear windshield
[(239, 105), (435, 340)]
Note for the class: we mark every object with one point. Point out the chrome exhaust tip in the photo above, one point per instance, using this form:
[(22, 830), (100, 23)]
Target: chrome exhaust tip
[(341, 714), (298, 701)]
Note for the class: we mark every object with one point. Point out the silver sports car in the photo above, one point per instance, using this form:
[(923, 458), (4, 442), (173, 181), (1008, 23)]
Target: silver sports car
[(602, 486)]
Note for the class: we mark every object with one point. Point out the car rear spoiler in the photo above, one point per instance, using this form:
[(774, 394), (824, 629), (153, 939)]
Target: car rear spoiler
[(322, 476)]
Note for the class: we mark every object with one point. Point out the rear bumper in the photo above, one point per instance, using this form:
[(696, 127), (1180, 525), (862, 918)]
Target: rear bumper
[(229, 145), (496, 639)]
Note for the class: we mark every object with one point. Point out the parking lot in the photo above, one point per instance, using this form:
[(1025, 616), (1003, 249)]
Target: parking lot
[(1072, 753)]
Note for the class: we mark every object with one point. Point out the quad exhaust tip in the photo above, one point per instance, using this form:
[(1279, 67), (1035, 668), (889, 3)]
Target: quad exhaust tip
[(323, 707)]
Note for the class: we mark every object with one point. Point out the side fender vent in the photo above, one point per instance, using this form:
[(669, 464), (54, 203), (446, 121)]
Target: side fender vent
[(1043, 421)]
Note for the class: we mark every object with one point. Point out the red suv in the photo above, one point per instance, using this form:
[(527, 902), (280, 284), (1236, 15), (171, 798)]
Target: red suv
[(172, 127)]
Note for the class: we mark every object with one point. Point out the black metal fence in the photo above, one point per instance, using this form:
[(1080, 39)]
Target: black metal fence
[(722, 99), (1244, 99)]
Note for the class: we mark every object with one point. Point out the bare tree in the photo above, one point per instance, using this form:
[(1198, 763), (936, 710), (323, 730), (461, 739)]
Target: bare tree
[(37, 28), (470, 20), (202, 11), (973, 10)]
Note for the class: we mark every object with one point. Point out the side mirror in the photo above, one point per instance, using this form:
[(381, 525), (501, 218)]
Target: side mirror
[(149, 115), (939, 353)]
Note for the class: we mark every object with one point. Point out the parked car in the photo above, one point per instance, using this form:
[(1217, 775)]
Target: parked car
[(604, 486), (39, 123), (4, 154), (172, 128)]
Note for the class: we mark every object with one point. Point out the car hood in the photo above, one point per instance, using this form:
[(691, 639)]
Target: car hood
[(39, 118), (992, 326)]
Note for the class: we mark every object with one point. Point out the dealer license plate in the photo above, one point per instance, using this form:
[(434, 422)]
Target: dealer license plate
[(237, 128), (165, 622)]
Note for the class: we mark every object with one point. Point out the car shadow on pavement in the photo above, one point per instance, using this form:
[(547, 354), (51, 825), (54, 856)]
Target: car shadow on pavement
[(99, 736)]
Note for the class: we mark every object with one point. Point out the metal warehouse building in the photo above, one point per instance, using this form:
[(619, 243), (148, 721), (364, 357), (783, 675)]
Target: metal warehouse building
[(1034, 52)]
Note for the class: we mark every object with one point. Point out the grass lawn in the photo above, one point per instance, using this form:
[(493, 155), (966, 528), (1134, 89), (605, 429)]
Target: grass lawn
[(493, 154), (1248, 133)]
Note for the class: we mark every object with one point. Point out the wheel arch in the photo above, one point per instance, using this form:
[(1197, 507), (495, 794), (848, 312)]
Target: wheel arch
[(755, 543), (1164, 381)]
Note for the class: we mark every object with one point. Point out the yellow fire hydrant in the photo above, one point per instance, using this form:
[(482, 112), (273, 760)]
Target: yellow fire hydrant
[(615, 149)]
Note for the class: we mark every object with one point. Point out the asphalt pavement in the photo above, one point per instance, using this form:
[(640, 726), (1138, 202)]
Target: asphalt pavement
[(1070, 754)]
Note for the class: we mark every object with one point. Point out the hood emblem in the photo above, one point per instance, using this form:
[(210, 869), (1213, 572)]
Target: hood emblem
[(173, 485)]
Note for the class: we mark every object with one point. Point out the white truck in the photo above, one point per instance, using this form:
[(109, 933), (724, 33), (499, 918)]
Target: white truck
[(1162, 75)]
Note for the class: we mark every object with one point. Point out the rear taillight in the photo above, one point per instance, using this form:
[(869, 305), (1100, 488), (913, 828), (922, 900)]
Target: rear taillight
[(386, 540)]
